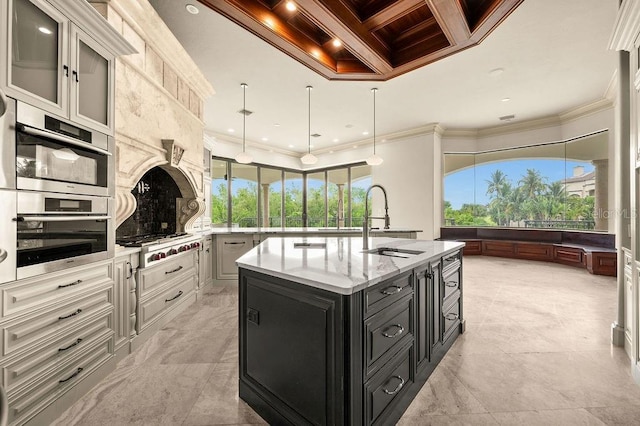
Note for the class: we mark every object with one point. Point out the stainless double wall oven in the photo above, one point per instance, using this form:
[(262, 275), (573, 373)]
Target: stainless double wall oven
[(55, 193)]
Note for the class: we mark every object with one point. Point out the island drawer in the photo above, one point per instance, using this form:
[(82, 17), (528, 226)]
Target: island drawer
[(388, 385), (450, 319), (450, 259), (451, 282), (386, 331), (384, 294)]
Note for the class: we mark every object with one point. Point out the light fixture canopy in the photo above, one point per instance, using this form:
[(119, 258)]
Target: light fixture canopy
[(375, 159), (244, 157), (309, 158)]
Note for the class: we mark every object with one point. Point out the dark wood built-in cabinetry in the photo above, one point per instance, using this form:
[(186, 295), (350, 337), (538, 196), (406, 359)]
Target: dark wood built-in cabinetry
[(312, 356)]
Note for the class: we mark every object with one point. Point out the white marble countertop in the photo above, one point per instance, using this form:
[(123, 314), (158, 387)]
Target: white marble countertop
[(298, 230), (341, 266)]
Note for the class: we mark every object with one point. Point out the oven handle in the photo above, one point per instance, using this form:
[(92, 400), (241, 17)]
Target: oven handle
[(58, 218), (60, 138)]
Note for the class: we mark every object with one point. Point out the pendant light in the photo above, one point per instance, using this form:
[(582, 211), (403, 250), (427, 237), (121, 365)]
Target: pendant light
[(309, 158), (375, 159), (243, 157)]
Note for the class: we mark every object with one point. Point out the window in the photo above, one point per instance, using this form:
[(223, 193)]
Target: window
[(543, 186), (266, 196)]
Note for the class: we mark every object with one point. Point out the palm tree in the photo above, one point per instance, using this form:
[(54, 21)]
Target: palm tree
[(496, 190), (532, 185), (555, 199)]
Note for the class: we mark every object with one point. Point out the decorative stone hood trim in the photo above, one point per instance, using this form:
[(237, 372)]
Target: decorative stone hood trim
[(174, 151)]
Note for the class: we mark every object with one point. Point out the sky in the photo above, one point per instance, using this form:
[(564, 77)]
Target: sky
[(459, 186)]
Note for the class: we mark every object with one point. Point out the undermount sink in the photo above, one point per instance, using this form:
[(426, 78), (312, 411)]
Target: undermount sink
[(310, 245), (393, 252)]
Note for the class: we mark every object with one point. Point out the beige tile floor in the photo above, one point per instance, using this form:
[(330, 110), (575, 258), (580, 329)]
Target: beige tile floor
[(536, 352)]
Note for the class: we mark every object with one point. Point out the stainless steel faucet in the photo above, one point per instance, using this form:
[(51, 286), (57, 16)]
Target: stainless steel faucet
[(365, 221)]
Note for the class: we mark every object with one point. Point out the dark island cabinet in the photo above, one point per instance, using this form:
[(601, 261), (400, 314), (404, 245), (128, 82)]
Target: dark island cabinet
[(314, 357)]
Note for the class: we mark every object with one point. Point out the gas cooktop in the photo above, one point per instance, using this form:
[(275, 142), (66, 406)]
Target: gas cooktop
[(147, 239)]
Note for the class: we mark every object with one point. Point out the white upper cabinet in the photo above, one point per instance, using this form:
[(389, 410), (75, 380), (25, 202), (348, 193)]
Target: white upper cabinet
[(57, 64)]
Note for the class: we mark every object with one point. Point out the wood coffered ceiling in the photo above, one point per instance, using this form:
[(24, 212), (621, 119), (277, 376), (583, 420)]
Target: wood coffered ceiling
[(381, 39)]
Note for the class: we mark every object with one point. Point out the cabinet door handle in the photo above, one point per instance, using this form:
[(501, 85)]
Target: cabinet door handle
[(72, 314), (75, 74), (398, 332), (77, 342), (174, 270), (70, 284), (451, 284), (397, 389), (66, 70), (235, 242), (207, 250), (174, 297), (452, 316), (451, 258), (389, 292), (130, 270), (78, 371)]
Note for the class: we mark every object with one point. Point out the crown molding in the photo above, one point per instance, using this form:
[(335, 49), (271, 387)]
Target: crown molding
[(214, 136), (585, 110), (611, 92), (627, 26)]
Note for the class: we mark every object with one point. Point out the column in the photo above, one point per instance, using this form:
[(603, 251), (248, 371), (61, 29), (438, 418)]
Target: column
[(265, 205), (340, 218), (602, 213)]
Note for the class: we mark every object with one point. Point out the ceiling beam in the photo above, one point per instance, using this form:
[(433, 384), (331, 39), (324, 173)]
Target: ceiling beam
[(451, 19), (392, 12)]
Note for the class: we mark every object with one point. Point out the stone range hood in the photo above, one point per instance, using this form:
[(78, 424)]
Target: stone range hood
[(159, 101)]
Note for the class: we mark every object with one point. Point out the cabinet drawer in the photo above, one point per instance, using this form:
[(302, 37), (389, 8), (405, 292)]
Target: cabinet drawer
[(451, 282), (450, 319), (26, 295), (39, 361), (498, 248), (30, 399), (153, 308), (568, 256), (228, 250), (386, 386), (386, 330), (451, 259), (387, 292), (534, 251), (154, 277), (40, 328)]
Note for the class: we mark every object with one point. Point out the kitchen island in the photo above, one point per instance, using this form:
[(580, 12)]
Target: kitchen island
[(333, 334)]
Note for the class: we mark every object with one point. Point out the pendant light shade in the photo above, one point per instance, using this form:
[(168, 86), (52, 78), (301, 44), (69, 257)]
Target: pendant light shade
[(244, 157), (375, 159), (309, 158)]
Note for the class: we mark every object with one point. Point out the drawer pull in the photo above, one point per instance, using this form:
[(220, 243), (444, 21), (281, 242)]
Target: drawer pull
[(77, 342), (389, 292), (78, 371), (451, 284), (70, 284), (174, 270), (452, 316), (451, 258), (72, 314), (235, 242), (174, 297), (397, 389), (398, 332)]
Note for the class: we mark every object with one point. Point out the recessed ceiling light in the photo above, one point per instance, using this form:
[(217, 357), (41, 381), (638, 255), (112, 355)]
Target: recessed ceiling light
[(231, 130), (291, 145), (365, 133), (192, 9), (276, 124), (291, 6), (337, 42), (355, 146), (383, 140), (269, 22), (330, 152), (265, 139), (496, 72), (45, 30), (336, 140), (315, 53), (506, 99)]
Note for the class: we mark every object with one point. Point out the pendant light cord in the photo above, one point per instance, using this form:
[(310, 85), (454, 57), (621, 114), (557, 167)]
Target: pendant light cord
[(374, 90), (309, 116), (244, 113)]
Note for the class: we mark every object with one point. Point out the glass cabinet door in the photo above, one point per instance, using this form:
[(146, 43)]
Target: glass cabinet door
[(38, 50), (91, 82)]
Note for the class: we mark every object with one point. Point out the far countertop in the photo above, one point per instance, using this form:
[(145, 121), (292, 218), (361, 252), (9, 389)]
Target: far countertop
[(299, 230), (340, 267)]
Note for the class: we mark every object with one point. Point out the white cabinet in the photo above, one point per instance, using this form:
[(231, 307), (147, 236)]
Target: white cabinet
[(125, 267), (54, 64), (228, 249), (205, 263)]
